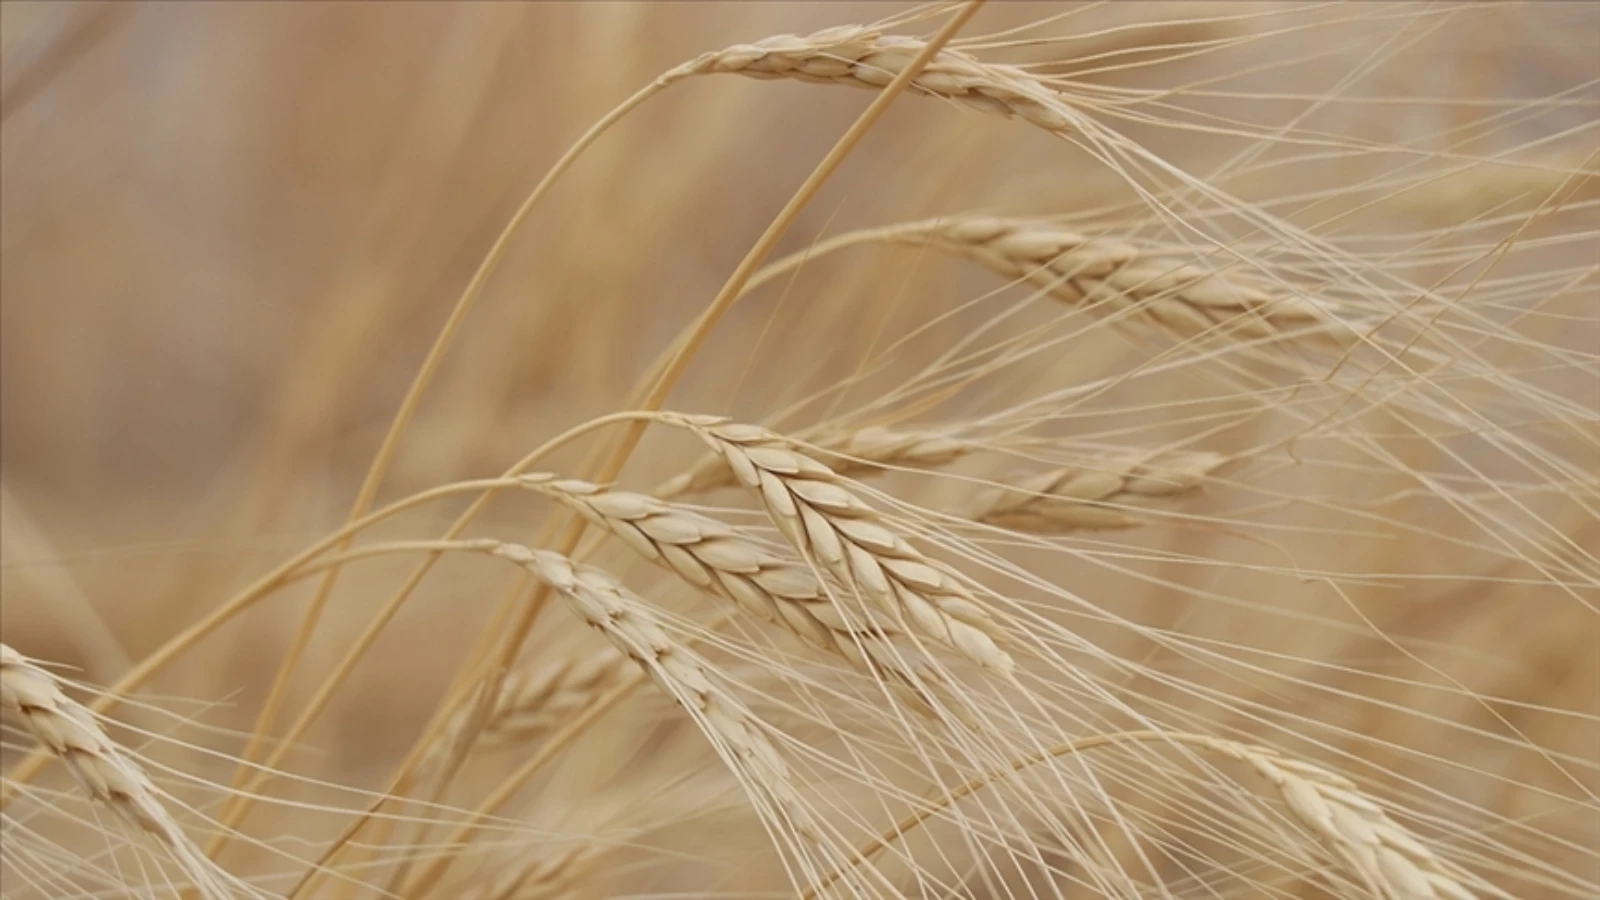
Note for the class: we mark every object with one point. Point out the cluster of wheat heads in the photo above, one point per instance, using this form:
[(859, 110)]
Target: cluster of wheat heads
[(1081, 587)]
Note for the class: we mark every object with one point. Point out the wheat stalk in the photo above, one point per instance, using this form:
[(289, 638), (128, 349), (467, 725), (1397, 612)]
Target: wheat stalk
[(1090, 496), (824, 520), (106, 772), (627, 622), (718, 559)]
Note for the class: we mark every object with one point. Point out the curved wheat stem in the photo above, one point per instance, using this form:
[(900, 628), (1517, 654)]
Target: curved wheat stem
[(1094, 495), (626, 621), (67, 730), (827, 522)]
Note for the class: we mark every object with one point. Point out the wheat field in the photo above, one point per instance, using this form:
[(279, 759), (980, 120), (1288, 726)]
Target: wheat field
[(800, 450)]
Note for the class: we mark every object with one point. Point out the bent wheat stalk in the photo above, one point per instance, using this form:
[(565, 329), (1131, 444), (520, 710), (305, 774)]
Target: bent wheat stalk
[(68, 731), (828, 523), (1094, 495)]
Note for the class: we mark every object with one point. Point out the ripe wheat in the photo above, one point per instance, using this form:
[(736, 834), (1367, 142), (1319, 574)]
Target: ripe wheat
[(855, 452), (1094, 495), (107, 772), (824, 520), (625, 620), (537, 699), (1120, 276)]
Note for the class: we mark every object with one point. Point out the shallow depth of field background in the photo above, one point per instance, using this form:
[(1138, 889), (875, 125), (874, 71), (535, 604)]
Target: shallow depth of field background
[(229, 231)]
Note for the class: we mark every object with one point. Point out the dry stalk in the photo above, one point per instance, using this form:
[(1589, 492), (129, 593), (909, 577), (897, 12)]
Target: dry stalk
[(1116, 275), (67, 730), (855, 451), (824, 520), (626, 621), (536, 700), (1094, 495), (718, 559)]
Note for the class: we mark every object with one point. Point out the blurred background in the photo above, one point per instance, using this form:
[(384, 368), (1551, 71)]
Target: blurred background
[(229, 232)]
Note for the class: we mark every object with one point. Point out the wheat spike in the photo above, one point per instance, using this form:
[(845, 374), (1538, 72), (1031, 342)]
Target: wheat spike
[(855, 451), (864, 57), (1093, 496), (1117, 275), (104, 770), (716, 558), (1378, 851), (536, 700), (823, 519), (626, 621)]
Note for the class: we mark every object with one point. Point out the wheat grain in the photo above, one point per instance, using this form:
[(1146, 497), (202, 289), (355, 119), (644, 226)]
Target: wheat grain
[(1094, 495), (108, 773), (717, 558), (825, 520), (1119, 275), (856, 451), (864, 57), (626, 621), (1177, 294), (1386, 857)]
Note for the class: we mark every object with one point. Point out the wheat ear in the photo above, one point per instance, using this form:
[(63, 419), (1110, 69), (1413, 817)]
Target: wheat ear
[(855, 451), (718, 559), (1392, 863), (864, 57), (536, 700), (627, 622), (824, 520), (1094, 495), (1117, 275), (107, 772), (1385, 857)]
